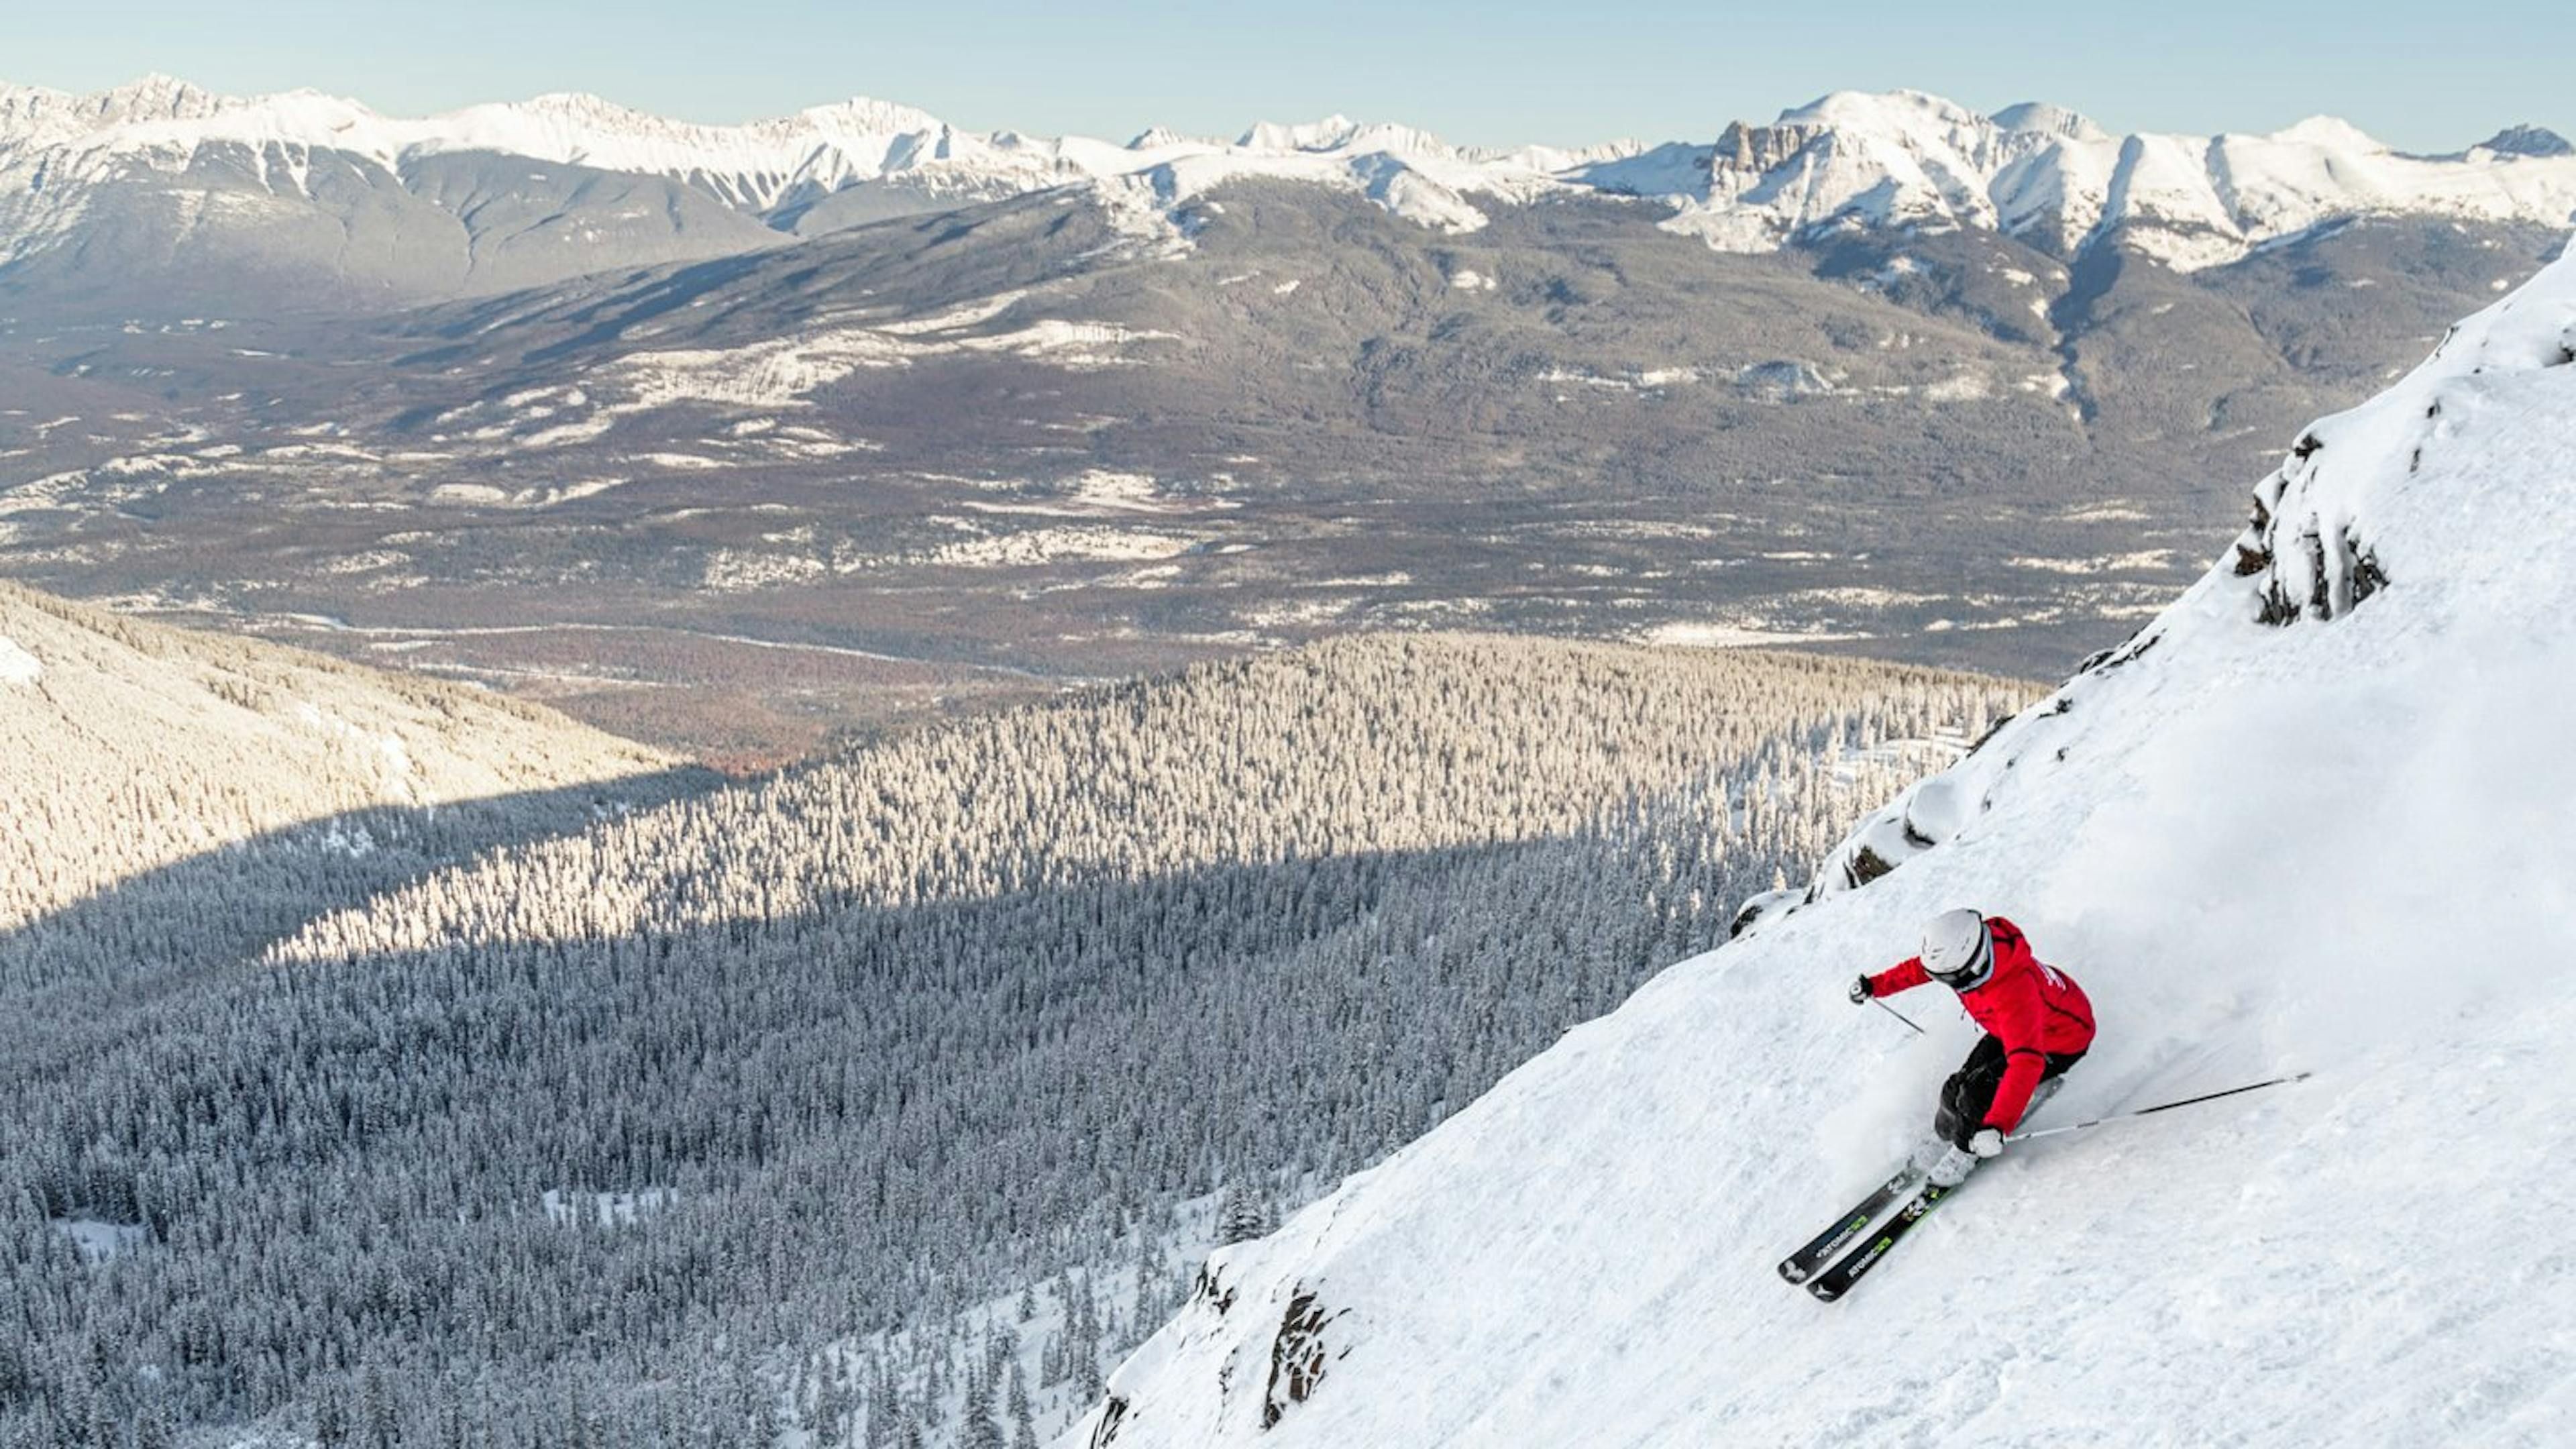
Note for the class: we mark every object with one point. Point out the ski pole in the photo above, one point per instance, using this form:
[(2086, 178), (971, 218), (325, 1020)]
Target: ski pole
[(2162, 1107), (1900, 1016)]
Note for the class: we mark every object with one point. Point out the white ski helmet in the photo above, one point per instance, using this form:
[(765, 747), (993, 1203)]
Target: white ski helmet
[(1958, 951)]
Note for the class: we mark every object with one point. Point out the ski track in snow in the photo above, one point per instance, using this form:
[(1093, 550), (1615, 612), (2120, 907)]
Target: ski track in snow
[(2339, 845)]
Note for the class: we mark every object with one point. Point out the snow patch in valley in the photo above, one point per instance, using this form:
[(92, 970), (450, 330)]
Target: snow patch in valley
[(101, 1242), (605, 1209), (1068, 544), (782, 373), (2149, 558), (957, 319), (1965, 387), (1737, 636)]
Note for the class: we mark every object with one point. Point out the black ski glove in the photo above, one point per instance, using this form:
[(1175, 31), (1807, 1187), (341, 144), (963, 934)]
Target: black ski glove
[(1860, 991)]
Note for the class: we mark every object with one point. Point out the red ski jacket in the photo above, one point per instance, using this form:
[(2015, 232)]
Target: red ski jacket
[(2035, 1010)]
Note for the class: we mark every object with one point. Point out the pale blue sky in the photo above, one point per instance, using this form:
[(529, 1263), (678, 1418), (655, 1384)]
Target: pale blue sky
[(2420, 75)]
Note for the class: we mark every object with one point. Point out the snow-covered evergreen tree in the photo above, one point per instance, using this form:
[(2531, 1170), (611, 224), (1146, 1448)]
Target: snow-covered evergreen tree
[(1240, 1215)]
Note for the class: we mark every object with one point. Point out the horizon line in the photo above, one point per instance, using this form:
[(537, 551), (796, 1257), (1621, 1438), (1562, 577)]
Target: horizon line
[(1336, 116)]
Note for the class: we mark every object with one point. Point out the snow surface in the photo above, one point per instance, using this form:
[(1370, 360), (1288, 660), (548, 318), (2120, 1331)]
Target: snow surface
[(17, 666), (605, 1209), (2340, 845), (2035, 170), (99, 1241), (51, 142), (2055, 178)]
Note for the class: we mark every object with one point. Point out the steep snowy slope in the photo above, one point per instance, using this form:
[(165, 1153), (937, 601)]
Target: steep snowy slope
[(2313, 817)]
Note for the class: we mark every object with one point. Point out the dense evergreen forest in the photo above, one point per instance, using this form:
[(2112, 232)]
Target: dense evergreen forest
[(723, 1117)]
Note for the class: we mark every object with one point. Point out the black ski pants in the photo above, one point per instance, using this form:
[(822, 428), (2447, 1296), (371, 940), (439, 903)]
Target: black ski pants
[(1970, 1092)]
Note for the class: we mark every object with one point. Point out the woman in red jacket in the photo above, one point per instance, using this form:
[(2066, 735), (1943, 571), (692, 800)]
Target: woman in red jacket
[(2037, 1020)]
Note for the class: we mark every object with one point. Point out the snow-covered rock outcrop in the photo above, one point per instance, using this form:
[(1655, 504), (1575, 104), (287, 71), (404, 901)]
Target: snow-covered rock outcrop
[(2330, 835)]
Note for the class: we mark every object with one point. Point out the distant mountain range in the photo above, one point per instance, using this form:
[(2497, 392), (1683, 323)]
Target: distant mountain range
[(160, 175), (725, 437)]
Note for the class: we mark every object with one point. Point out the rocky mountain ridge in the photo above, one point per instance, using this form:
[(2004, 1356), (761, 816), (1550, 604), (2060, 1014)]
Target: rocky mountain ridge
[(242, 183)]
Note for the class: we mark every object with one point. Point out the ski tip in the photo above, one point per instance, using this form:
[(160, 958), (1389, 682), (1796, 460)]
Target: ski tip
[(1825, 1292), (1792, 1272)]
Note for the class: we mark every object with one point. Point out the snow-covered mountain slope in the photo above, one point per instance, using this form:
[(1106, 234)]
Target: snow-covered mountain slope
[(2325, 834), (2055, 179), (55, 149), (126, 746), (405, 199)]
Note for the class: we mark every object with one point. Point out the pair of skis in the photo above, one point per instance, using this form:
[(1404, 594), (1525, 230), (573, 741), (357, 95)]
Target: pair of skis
[(1808, 1264)]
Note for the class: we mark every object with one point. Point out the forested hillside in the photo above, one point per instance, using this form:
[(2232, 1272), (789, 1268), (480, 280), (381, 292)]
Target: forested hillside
[(126, 746), (598, 1139)]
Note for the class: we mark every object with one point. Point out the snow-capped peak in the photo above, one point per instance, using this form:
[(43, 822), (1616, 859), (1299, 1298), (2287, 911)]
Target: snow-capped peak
[(1330, 133), (1901, 158), (761, 166), (581, 108), (2327, 132), (2527, 140), (1158, 138), (2049, 120), (40, 115), (2055, 179), (1899, 111), (154, 97)]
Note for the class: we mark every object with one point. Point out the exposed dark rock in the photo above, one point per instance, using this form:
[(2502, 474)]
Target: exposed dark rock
[(1209, 1290), (1757, 149), (2136, 645), (1865, 865), (1763, 907), (2528, 140), (1297, 1357), (1992, 730), (2368, 577)]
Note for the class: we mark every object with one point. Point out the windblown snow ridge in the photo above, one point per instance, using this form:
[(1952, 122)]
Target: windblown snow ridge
[(2258, 848)]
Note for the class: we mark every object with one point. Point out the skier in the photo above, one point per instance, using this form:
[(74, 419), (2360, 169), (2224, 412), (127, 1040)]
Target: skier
[(2037, 1020)]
